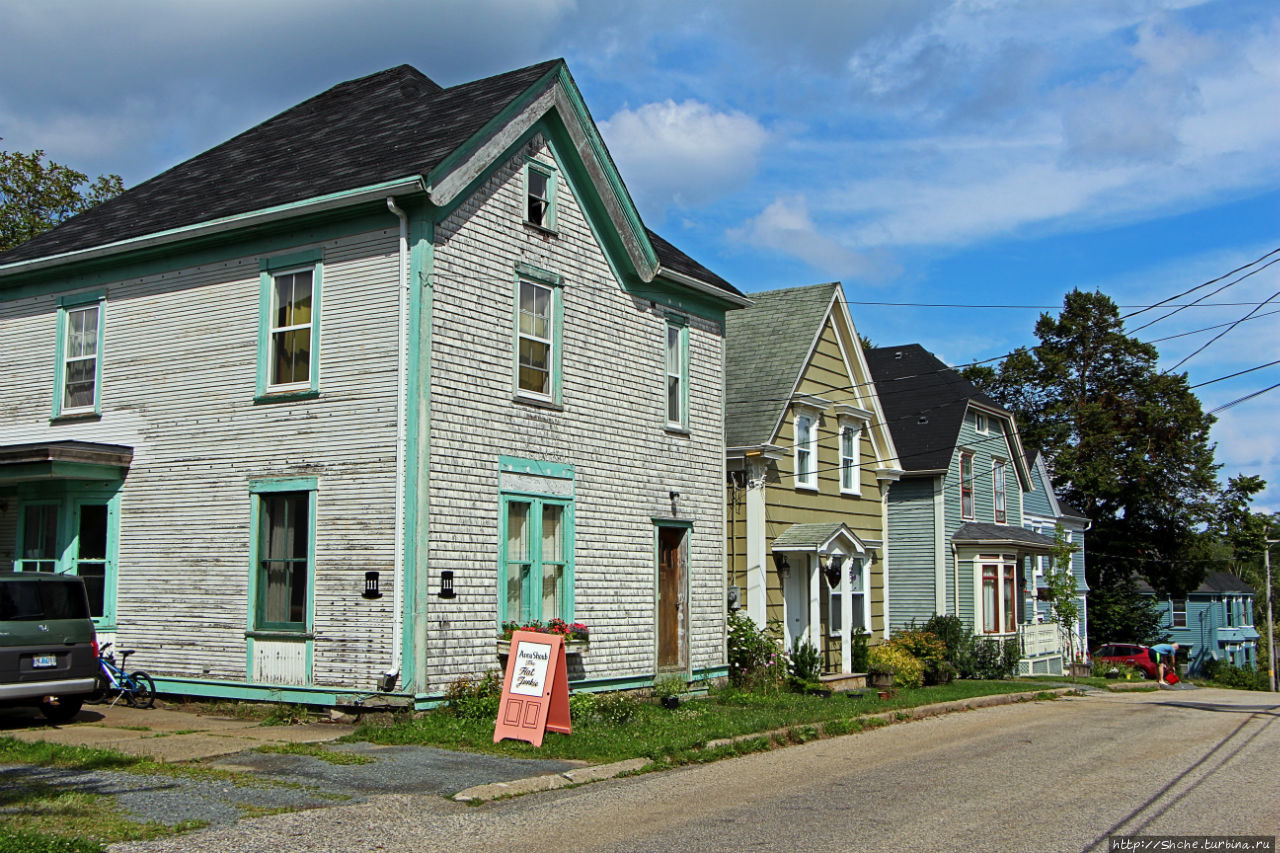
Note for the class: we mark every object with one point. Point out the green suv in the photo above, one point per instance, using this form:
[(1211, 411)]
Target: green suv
[(48, 650)]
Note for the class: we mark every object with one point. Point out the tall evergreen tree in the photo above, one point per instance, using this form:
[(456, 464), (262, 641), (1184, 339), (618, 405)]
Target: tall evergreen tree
[(1126, 443)]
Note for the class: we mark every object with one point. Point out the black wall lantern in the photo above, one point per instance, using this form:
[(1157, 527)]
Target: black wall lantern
[(446, 584), (832, 570), (371, 585), (780, 563)]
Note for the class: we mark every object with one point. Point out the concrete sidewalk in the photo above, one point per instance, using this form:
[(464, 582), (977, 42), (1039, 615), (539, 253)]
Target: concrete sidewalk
[(166, 733)]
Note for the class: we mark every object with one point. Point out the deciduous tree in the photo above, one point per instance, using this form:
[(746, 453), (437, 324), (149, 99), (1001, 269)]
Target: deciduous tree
[(36, 194)]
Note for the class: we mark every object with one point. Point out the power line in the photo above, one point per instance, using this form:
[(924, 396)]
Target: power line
[(1246, 397), (1238, 373), (1218, 336), (1206, 296), (1205, 284)]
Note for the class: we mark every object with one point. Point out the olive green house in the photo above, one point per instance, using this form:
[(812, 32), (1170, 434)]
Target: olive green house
[(809, 465)]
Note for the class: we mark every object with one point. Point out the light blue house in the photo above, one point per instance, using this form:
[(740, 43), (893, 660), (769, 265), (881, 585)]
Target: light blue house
[(1043, 512), (957, 540), (1214, 621)]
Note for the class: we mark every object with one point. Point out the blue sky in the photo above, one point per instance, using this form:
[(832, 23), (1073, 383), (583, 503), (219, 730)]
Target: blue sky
[(971, 152)]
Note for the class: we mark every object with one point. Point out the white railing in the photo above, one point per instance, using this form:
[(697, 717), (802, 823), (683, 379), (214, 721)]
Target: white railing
[(1040, 640)]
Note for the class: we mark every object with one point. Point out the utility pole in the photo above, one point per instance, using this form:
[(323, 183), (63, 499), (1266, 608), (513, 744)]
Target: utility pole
[(1271, 633)]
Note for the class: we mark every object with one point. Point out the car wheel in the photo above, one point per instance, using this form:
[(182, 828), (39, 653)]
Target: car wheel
[(61, 709)]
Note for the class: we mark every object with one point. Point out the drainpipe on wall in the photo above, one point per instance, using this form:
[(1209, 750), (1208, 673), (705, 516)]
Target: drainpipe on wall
[(402, 317)]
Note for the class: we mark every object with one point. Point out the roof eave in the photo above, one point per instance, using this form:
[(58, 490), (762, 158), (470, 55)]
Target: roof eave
[(319, 204)]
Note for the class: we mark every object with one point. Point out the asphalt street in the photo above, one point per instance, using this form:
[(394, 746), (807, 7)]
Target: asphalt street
[(1044, 776)]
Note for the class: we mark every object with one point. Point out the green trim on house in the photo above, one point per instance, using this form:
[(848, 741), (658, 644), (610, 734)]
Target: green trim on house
[(531, 594), (66, 304), (255, 621), (302, 258), (536, 467), (539, 274), (548, 171), (262, 692), (69, 497), (417, 539), (200, 252), (556, 288)]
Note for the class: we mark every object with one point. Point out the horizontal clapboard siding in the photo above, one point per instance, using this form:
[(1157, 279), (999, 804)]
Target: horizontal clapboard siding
[(610, 430), (179, 365)]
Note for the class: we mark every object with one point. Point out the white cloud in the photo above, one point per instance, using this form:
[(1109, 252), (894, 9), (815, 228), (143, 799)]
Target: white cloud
[(683, 154), (785, 226)]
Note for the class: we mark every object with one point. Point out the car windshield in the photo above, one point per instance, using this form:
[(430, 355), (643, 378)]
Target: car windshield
[(41, 601)]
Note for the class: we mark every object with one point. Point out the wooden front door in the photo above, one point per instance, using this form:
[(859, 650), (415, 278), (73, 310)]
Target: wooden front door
[(673, 621)]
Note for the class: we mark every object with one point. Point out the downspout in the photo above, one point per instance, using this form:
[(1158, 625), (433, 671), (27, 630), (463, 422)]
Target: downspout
[(402, 335)]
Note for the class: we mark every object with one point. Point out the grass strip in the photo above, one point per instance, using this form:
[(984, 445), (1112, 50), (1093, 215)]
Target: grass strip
[(313, 750)]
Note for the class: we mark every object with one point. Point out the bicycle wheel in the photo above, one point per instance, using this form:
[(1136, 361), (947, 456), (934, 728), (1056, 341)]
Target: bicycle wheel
[(143, 692)]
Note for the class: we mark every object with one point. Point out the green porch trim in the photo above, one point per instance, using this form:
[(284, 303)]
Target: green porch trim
[(56, 470), (536, 467), (417, 524)]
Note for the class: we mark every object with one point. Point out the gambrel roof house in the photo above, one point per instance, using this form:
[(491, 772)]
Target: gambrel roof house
[(316, 411), (810, 462), (957, 543)]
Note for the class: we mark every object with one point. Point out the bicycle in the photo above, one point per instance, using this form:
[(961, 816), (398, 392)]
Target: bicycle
[(137, 688)]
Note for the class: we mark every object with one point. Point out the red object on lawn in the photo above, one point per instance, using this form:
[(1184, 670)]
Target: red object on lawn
[(1171, 678)]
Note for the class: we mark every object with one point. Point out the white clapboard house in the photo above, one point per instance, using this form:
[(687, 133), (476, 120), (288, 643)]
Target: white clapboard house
[(316, 411)]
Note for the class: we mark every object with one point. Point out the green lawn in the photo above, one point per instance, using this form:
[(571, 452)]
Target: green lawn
[(675, 736)]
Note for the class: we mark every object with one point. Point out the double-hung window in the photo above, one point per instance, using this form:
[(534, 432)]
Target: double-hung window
[(805, 456), (39, 548), (71, 528), (289, 327), (1179, 608), (966, 485), (999, 598), (540, 195), (537, 334), (79, 379), (536, 564), (998, 470), (850, 472), (284, 554), (677, 373)]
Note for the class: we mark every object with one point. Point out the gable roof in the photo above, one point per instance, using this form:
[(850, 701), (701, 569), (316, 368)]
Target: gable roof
[(388, 126), (1058, 507), (924, 403), (765, 349)]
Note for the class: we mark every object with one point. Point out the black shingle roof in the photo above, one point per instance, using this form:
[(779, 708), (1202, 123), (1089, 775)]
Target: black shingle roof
[(924, 403), (1214, 583), (765, 349), (976, 531), (390, 125)]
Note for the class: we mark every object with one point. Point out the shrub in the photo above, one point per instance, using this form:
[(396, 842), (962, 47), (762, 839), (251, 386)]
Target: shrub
[(923, 645), (582, 706), (475, 697), (756, 662), (1239, 677), (938, 672), (955, 637), (670, 685), (616, 708), (859, 651), (806, 662), (907, 670), (994, 659)]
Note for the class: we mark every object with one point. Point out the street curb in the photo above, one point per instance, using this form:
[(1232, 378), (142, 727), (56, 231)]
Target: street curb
[(580, 776), (806, 731), (802, 732)]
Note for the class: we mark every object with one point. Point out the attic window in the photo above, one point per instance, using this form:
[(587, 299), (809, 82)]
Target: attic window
[(540, 190)]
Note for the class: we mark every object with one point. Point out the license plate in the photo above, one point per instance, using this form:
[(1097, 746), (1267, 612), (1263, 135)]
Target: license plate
[(44, 661)]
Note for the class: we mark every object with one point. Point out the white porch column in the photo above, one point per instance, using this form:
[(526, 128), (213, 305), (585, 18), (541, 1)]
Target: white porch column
[(815, 594), (758, 559), (846, 615)]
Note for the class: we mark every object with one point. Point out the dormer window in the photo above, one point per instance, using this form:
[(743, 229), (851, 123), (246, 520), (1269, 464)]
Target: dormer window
[(998, 471), (540, 186)]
